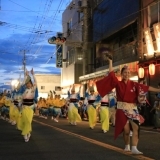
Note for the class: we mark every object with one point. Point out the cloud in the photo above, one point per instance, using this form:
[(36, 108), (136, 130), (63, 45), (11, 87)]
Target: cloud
[(27, 29)]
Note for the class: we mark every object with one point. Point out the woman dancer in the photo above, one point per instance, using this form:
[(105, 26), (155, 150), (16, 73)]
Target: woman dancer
[(73, 115), (127, 96), (92, 100), (28, 106), (15, 107), (3, 108), (104, 113)]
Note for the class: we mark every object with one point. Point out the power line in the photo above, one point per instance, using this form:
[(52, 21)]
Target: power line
[(54, 53), (28, 11)]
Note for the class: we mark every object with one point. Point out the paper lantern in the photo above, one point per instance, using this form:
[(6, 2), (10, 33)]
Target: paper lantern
[(141, 72), (152, 69)]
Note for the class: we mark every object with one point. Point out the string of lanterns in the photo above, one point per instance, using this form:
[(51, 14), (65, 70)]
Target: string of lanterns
[(151, 70)]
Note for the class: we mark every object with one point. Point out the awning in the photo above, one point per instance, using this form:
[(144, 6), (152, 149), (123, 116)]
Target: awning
[(95, 74), (98, 74)]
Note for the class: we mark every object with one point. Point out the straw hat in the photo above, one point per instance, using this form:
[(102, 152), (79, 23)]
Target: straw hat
[(28, 79), (91, 89)]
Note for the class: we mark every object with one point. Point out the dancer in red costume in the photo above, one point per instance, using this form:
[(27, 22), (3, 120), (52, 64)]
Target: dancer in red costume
[(127, 116)]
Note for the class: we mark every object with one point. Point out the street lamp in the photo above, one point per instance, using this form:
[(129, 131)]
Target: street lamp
[(14, 83), (79, 57)]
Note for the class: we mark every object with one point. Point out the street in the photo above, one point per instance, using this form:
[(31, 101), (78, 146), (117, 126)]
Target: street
[(62, 141)]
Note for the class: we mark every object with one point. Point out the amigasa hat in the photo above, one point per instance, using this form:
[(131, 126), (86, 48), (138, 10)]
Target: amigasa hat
[(28, 79)]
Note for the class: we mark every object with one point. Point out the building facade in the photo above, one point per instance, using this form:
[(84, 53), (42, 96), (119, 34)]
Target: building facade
[(47, 83), (115, 25), (119, 25), (72, 50), (150, 57)]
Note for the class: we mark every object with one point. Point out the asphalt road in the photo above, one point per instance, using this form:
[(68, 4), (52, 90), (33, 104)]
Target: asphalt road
[(61, 141)]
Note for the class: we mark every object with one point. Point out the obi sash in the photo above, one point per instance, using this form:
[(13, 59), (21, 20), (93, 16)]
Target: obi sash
[(15, 103), (129, 109), (126, 106), (104, 104), (91, 101), (73, 100), (28, 102)]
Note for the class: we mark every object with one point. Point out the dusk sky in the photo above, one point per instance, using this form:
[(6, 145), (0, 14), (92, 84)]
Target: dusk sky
[(26, 25)]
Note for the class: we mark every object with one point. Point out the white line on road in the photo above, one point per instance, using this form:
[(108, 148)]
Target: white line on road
[(140, 157)]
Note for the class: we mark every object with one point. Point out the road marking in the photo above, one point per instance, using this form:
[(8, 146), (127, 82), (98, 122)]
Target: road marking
[(151, 131), (140, 157)]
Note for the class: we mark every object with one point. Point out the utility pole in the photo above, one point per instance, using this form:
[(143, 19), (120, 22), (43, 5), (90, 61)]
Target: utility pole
[(24, 62), (140, 33), (85, 35)]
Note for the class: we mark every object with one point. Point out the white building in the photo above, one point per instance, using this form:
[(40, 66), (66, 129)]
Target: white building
[(72, 49), (47, 83)]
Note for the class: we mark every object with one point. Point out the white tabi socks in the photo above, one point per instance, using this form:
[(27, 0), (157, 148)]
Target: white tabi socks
[(135, 150), (127, 148)]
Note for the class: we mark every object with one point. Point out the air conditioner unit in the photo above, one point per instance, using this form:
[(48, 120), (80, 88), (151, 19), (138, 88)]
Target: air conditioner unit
[(73, 3), (84, 3)]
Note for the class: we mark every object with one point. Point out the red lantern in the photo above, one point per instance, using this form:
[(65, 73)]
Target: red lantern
[(152, 69), (141, 72)]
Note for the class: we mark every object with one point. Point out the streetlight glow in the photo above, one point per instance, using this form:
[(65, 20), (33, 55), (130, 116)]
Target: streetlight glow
[(14, 82)]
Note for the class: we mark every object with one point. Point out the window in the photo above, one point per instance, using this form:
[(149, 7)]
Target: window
[(69, 27), (154, 13), (57, 88), (42, 87), (70, 56), (80, 16)]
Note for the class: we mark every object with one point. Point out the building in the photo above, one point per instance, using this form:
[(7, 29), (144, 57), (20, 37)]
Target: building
[(150, 57), (115, 25), (47, 83), (92, 25), (72, 49)]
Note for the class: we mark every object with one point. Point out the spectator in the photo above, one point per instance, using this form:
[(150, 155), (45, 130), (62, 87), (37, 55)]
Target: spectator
[(156, 109)]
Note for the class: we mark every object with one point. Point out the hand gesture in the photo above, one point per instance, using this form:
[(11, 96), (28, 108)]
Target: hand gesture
[(54, 92), (32, 72), (107, 57), (27, 73)]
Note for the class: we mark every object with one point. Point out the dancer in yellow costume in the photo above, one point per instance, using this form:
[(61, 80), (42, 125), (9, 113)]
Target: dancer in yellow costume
[(73, 115), (2, 105), (50, 105), (104, 113), (44, 111), (58, 103), (6, 101), (16, 106), (28, 105), (91, 101)]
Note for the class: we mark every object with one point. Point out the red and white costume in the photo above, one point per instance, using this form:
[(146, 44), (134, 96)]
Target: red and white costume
[(127, 96)]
